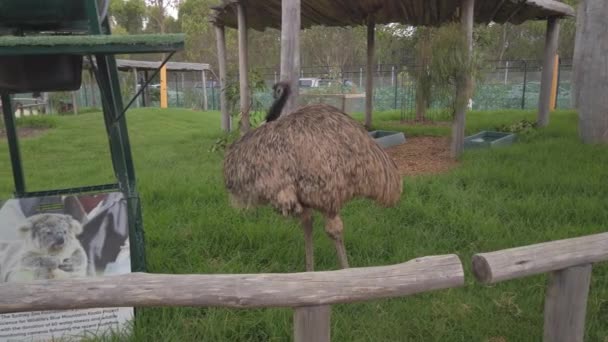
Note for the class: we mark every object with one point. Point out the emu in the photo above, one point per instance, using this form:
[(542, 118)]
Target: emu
[(315, 158)]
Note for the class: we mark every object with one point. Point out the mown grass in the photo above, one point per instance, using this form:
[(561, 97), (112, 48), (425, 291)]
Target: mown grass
[(547, 186)]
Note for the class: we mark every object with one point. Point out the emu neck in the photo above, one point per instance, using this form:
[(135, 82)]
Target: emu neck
[(275, 110)]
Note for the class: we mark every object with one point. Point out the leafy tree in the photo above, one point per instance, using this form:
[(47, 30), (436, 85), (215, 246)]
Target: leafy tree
[(129, 14)]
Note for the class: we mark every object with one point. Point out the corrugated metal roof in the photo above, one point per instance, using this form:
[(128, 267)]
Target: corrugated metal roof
[(127, 64), (262, 14)]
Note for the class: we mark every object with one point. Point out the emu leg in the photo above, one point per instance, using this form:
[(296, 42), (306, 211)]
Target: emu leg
[(334, 228), (306, 218)]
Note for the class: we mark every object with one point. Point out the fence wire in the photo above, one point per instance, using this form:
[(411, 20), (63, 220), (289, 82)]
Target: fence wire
[(513, 84)]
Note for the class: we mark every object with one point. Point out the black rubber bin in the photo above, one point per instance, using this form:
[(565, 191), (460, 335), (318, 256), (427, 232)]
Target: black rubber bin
[(40, 73)]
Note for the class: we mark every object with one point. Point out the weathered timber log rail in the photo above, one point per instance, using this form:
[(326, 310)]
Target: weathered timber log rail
[(569, 264), (311, 294)]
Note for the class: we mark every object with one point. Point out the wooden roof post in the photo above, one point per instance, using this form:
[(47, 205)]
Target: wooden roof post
[(590, 81), (205, 100), (243, 62), (464, 88), (221, 61), (290, 49), (135, 84), (369, 71), (544, 100)]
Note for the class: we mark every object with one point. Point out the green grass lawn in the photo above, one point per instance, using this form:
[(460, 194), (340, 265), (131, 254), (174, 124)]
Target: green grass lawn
[(548, 186)]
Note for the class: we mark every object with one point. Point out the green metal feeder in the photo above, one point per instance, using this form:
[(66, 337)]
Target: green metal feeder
[(42, 46)]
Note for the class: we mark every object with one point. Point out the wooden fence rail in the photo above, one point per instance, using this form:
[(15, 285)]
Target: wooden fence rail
[(309, 293), (569, 263)]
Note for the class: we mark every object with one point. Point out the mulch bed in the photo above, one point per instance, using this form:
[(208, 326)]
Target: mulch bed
[(423, 155)]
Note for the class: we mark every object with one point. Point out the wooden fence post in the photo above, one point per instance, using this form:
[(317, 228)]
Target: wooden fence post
[(312, 323), (566, 304)]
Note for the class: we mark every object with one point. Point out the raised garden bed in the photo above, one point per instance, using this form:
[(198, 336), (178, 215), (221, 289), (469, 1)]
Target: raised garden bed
[(387, 138), (489, 139)]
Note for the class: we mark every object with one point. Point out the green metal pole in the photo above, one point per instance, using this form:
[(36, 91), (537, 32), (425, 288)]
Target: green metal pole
[(120, 147), (13, 145)]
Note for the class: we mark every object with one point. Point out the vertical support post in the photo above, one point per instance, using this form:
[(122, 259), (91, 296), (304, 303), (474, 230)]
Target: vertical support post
[(135, 84), (396, 86), (243, 61), (523, 91), (506, 71), (464, 88), (205, 99), (93, 97), (290, 49), (74, 102), (163, 87), (86, 94), (312, 324), (176, 91), (361, 78), (566, 304), (554, 84), (13, 144), (544, 101), (47, 101), (369, 81), (220, 36), (146, 90)]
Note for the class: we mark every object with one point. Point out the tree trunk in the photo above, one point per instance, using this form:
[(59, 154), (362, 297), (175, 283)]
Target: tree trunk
[(590, 74)]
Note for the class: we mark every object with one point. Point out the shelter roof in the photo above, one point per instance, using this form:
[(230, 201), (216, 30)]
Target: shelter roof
[(262, 14), (128, 64)]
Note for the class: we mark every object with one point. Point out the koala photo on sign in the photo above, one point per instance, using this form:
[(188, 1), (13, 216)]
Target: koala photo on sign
[(62, 237)]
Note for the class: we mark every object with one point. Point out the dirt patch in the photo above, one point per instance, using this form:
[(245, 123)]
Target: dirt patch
[(423, 155), (25, 132)]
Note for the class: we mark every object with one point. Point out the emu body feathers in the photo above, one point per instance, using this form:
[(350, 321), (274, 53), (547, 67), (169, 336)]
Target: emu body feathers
[(317, 157)]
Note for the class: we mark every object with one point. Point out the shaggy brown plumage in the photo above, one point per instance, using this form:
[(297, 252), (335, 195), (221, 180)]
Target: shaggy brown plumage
[(317, 157)]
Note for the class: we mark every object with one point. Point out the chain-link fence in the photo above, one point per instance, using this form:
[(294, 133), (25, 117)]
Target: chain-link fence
[(504, 85)]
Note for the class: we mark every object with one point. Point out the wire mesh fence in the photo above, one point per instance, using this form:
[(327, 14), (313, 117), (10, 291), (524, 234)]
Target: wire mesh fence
[(513, 84)]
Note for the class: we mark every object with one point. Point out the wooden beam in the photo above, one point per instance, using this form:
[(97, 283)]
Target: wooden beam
[(135, 84), (220, 36), (290, 49), (236, 290), (147, 89), (74, 102), (369, 71), (464, 88), (554, 84), (243, 70), (205, 99), (163, 87), (540, 258), (590, 81), (312, 324), (551, 42), (566, 304)]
